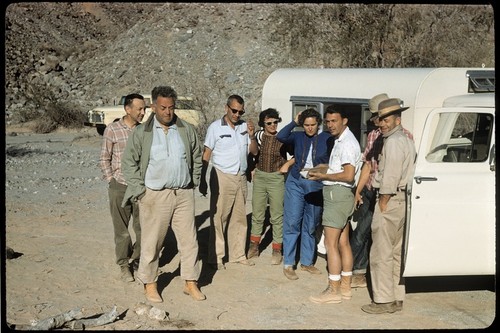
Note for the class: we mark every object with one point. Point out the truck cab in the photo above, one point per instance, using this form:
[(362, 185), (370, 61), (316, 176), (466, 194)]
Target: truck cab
[(450, 227)]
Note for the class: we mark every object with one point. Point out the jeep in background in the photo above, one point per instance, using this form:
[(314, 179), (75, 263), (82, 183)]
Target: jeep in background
[(102, 116)]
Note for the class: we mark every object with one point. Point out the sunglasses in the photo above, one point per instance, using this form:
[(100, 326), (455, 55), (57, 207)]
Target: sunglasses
[(269, 123), (242, 112)]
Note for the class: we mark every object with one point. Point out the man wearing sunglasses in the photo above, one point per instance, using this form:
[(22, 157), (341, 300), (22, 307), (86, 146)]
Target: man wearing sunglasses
[(269, 184), (227, 143)]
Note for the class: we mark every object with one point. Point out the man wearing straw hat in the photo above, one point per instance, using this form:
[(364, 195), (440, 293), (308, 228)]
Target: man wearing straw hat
[(395, 169), (365, 197)]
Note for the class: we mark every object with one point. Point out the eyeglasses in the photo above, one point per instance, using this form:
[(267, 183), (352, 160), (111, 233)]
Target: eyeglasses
[(269, 123), (242, 112)]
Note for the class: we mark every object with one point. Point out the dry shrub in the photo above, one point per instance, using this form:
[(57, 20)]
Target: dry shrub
[(50, 112), (386, 35)]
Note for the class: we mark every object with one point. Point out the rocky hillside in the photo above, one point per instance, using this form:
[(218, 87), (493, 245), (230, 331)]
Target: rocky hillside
[(94, 53), (89, 54)]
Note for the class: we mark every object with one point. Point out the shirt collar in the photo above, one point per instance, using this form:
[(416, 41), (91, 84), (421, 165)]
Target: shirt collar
[(342, 136), (158, 125), (223, 122)]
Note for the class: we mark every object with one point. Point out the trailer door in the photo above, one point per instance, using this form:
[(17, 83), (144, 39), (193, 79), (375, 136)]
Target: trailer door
[(451, 226)]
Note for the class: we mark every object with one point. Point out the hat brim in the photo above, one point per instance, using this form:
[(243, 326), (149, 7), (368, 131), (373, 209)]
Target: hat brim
[(391, 113)]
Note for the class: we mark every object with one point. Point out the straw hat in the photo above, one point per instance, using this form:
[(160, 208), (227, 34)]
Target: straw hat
[(373, 104), (390, 106)]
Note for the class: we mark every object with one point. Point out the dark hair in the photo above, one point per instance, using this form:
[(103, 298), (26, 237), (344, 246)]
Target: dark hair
[(163, 91), (268, 113), (129, 98), (331, 109), (238, 99), (309, 113)]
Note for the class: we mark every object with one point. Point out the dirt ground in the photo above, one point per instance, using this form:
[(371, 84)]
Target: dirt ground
[(58, 223)]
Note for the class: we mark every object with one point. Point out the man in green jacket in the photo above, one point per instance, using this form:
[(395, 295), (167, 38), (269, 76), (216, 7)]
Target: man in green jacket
[(162, 166)]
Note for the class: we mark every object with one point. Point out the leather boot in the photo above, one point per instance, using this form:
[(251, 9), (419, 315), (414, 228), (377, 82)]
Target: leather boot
[(330, 295), (152, 295), (358, 281), (277, 256), (345, 286), (191, 288), (253, 250)]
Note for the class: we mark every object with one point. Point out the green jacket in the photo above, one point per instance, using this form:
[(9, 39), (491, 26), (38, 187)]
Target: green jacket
[(135, 158)]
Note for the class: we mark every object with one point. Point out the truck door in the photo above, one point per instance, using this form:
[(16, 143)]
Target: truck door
[(451, 226)]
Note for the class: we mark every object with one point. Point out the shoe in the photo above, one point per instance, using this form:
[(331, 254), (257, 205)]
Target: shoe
[(125, 274), (135, 264), (379, 308), (253, 250), (276, 258), (330, 295), (290, 273), (398, 305), (311, 269), (191, 288), (245, 262), (345, 286), (152, 295), (358, 281)]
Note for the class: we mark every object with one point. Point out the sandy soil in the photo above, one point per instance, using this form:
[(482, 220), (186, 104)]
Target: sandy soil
[(58, 223)]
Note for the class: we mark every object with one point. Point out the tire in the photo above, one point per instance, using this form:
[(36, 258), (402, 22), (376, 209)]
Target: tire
[(100, 129)]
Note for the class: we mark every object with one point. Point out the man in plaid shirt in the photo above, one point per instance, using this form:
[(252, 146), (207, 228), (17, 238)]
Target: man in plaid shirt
[(114, 141), (365, 197)]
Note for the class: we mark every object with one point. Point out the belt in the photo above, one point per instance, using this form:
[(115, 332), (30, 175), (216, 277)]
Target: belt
[(399, 189)]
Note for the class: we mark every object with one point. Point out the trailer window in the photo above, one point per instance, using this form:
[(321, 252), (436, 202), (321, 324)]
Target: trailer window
[(461, 137), (299, 107)]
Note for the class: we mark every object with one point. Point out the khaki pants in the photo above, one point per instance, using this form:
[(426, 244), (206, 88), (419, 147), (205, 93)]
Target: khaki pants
[(159, 210), (386, 250), (228, 195)]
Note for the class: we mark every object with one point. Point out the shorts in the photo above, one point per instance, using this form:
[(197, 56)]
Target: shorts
[(338, 205)]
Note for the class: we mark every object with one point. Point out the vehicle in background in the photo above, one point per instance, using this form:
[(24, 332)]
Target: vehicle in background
[(102, 116)]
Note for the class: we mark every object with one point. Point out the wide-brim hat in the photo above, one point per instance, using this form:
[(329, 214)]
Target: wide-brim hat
[(390, 106), (374, 102)]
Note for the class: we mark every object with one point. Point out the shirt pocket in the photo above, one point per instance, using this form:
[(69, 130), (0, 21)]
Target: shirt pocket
[(226, 142)]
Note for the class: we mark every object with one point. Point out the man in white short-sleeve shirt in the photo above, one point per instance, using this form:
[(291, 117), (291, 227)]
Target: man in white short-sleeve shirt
[(228, 142), (338, 205)]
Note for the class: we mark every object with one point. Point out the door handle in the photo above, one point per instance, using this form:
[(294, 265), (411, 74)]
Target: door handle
[(419, 179)]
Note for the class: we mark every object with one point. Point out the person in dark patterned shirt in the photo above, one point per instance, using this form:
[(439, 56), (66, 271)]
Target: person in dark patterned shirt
[(269, 184)]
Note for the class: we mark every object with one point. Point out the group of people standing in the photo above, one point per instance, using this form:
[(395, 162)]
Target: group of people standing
[(306, 177)]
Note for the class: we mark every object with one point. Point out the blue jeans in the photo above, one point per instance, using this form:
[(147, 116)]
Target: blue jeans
[(361, 236), (301, 216)]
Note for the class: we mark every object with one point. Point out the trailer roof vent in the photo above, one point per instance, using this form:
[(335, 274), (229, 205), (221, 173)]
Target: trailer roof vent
[(481, 81)]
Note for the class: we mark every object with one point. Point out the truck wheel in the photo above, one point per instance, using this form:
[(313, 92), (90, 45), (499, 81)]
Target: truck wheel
[(100, 129)]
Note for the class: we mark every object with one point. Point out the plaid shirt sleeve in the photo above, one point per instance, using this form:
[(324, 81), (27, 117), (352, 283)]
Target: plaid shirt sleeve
[(105, 155)]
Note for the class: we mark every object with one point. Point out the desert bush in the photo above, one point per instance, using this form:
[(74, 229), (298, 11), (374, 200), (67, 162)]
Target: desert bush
[(209, 102), (49, 112), (387, 35)]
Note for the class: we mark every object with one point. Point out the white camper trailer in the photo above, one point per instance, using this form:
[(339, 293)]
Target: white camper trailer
[(450, 227)]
